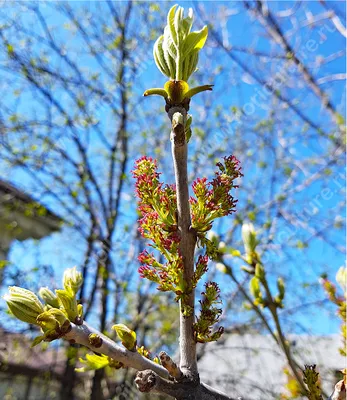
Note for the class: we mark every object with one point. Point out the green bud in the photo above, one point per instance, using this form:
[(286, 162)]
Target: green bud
[(249, 237), (176, 53), (80, 310), (281, 292), (126, 335), (259, 271), (235, 253), (68, 300), (254, 288), (281, 288), (23, 304), (114, 363), (49, 297), (53, 320), (143, 351), (95, 340), (72, 280)]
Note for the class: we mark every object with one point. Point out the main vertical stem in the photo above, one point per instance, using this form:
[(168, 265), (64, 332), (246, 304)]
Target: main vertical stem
[(188, 363)]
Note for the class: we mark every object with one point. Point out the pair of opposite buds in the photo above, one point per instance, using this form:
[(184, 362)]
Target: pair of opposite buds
[(176, 54)]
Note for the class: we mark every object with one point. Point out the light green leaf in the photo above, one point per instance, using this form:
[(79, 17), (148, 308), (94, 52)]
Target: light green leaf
[(171, 23), (159, 58), (93, 362), (187, 23), (178, 27), (192, 62), (167, 57), (195, 40)]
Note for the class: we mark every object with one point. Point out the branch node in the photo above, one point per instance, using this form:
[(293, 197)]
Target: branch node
[(145, 380), (170, 365)]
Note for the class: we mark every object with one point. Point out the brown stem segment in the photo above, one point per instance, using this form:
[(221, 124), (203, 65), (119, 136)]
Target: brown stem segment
[(188, 361)]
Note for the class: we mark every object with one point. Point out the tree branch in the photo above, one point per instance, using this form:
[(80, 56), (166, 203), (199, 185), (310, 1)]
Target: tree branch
[(80, 334), (188, 361), (151, 377), (270, 23)]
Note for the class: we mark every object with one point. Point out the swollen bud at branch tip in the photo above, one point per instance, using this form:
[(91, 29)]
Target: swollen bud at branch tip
[(176, 54), (23, 304), (72, 280), (249, 237)]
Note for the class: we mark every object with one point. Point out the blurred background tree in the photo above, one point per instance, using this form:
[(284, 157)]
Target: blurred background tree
[(73, 120)]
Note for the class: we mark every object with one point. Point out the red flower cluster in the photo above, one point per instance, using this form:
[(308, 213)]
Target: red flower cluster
[(157, 205), (213, 199), (158, 223)]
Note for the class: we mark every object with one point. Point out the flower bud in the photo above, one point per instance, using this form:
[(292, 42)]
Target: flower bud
[(49, 297), (126, 335), (23, 304), (72, 280)]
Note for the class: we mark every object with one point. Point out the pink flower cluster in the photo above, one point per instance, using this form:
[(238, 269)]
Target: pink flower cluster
[(213, 199)]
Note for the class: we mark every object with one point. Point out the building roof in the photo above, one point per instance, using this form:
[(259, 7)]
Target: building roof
[(23, 216), (17, 356), (251, 366)]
